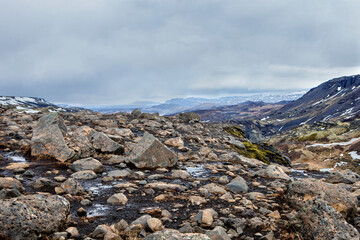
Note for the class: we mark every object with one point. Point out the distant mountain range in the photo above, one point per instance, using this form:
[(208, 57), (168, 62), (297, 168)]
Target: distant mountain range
[(178, 105)]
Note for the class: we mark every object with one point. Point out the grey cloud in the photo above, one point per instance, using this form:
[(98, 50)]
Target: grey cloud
[(114, 52)]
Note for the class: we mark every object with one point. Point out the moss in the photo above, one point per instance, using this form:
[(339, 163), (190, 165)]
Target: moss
[(261, 153), (235, 131)]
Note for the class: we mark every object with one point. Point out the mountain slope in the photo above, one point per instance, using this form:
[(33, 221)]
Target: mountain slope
[(32, 104), (336, 99)]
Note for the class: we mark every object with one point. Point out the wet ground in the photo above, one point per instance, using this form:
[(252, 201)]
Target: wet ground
[(141, 199)]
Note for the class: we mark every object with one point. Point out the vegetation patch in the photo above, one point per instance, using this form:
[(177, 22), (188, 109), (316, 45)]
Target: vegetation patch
[(235, 131)]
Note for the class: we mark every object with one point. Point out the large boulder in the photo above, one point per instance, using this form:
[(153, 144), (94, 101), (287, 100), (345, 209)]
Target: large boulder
[(343, 176), (104, 144), (170, 234), (321, 221), (150, 153), (48, 138), (80, 142), (298, 192), (26, 217)]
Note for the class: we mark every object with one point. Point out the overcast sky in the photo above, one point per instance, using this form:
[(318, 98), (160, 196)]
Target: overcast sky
[(120, 51)]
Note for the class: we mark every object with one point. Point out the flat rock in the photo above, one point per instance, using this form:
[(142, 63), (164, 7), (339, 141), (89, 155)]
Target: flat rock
[(273, 171), (87, 164), (170, 234), (84, 175), (164, 185)]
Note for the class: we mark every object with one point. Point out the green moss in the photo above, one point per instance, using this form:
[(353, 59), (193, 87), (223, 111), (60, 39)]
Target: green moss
[(256, 151), (235, 131)]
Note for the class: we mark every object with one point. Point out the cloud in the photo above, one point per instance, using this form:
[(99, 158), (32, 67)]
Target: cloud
[(115, 52)]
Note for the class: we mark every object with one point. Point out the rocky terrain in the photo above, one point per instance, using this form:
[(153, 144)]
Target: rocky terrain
[(90, 176)]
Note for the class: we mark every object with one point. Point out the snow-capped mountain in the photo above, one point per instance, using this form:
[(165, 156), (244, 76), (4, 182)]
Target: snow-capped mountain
[(31, 104), (336, 99)]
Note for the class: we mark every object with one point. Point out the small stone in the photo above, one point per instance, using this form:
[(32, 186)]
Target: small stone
[(86, 202), (197, 200), (275, 214), (117, 199), (72, 231), (81, 212), (204, 218), (165, 213), (154, 224), (59, 190)]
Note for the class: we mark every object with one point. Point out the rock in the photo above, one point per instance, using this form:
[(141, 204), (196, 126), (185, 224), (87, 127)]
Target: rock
[(298, 192), (48, 138), (119, 173), (154, 224), (274, 214), (273, 171), (101, 230), (170, 234), (87, 164), (218, 233), (164, 185), (238, 185), (189, 117), (187, 228), (254, 136), (84, 175), (112, 236), (322, 221), (72, 231), (224, 180), (72, 187), (81, 143), (197, 200), (142, 221), (103, 143), (26, 217), (10, 183), (117, 199), (175, 142), (9, 193), (214, 188), (136, 112), (204, 218), (343, 176), (149, 152), (43, 182), (180, 174)]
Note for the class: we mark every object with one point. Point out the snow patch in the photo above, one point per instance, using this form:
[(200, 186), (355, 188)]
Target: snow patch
[(334, 144)]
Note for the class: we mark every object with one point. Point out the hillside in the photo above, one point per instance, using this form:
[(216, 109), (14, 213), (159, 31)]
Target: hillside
[(336, 99)]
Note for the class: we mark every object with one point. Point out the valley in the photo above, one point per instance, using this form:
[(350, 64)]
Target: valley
[(249, 171)]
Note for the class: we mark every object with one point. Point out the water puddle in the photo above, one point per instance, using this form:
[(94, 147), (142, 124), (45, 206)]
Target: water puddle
[(197, 171), (15, 158), (95, 188), (98, 210)]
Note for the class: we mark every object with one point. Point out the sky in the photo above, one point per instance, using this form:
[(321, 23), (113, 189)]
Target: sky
[(119, 51)]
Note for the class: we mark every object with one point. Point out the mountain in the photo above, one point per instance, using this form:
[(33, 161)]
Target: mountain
[(33, 104), (237, 112), (177, 105), (336, 99)]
